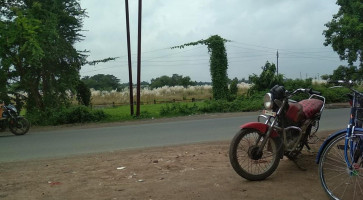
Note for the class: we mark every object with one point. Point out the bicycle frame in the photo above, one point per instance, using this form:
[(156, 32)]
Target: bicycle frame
[(352, 132)]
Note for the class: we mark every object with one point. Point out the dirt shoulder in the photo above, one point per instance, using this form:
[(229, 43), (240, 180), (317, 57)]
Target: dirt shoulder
[(195, 171)]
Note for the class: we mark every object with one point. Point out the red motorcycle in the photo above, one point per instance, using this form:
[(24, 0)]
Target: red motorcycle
[(256, 149)]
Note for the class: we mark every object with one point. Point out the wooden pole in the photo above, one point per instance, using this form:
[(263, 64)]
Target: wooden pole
[(139, 60), (129, 58)]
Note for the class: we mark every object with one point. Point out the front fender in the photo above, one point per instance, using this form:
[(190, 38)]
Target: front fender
[(322, 147), (263, 128)]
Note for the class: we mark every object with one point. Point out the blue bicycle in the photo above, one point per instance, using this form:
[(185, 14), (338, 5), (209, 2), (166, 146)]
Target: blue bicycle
[(340, 157)]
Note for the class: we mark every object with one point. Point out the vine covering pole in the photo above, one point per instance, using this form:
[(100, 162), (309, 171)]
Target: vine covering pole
[(218, 64), (139, 61), (129, 57)]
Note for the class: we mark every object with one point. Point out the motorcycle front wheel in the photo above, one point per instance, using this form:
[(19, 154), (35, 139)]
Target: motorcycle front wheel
[(246, 160), (20, 126)]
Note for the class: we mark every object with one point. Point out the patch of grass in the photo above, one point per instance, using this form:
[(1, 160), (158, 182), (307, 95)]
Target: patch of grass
[(122, 113)]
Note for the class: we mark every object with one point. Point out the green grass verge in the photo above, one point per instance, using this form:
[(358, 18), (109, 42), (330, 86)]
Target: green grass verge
[(122, 113)]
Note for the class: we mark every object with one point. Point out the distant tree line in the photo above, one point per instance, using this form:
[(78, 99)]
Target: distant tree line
[(103, 82), (174, 80)]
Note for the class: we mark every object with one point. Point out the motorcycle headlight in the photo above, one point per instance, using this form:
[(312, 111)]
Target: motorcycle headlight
[(267, 101)]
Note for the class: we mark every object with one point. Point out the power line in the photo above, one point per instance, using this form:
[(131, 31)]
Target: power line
[(250, 53)]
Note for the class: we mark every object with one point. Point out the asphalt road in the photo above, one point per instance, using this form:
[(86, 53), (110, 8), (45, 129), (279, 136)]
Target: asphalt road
[(65, 142)]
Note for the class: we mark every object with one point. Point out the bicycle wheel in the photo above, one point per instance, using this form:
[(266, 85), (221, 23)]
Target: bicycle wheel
[(245, 159), (338, 181)]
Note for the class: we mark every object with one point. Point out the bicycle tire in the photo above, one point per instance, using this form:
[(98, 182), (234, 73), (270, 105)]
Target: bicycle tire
[(338, 181)]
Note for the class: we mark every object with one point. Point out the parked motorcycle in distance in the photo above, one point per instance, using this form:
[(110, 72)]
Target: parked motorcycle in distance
[(10, 117), (256, 149)]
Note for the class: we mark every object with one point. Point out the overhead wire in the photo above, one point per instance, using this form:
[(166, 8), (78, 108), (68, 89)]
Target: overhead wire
[(249, 53)]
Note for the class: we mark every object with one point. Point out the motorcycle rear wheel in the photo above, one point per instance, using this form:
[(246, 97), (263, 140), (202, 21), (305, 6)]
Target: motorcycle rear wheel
[(247, 162), (20, 126)]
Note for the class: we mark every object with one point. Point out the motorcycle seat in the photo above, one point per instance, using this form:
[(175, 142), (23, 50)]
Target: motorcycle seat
[(311, 107), (295, 112)]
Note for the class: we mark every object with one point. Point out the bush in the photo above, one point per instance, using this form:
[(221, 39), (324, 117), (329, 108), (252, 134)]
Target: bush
[(252, 103), (233, 89), (83, 94), (178, 109), (291, 84), (76, 114), (333, 95), (143, 115)]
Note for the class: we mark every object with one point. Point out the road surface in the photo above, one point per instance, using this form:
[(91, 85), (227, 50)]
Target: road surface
[(65, 142)]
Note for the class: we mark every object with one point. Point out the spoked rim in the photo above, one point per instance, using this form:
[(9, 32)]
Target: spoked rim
[(337, 179), (248, 158)]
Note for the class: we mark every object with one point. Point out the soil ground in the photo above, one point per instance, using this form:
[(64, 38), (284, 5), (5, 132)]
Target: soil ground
[(194, 171)]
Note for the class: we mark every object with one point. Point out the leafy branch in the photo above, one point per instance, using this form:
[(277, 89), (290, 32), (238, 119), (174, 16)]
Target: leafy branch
[(95, 62)]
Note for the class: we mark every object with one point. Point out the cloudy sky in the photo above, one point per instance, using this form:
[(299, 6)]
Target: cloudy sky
[(256, 28)]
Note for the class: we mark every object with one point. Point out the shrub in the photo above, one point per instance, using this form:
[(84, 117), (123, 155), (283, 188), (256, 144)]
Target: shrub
[(178, 109), (238, 105), (333, 95), (83, 94), (233, 89), (76, 114), (291, 84), (143, 115)]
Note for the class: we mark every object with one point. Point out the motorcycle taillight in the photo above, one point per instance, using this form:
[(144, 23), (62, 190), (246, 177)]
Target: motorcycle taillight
[(351, 103)]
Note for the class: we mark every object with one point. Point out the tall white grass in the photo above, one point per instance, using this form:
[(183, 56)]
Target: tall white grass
[(166, 93)]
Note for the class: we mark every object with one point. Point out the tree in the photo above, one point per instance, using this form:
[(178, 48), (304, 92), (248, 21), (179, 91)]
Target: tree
[(103, 82), (218, 64), (345, 73), (345, 31), (233, 88), (267, 78), (37, 49), (83, 94), (174, 80)]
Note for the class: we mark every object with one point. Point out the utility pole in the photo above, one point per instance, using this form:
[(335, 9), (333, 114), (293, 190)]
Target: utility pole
[(139, 61), (129, 58), (277, 56)]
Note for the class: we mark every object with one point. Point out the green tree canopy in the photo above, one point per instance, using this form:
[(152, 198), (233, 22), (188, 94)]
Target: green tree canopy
[(267, 78), (345, 31), (174, 80), (102, 82), (345, 73), (37, 49)]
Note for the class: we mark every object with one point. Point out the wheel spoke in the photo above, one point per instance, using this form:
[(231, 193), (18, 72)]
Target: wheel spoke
[(250, 165), (337, 180)]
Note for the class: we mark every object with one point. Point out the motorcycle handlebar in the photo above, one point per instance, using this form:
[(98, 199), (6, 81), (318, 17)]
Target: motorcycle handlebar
[(309, 91), (342, 82), (314, 92)]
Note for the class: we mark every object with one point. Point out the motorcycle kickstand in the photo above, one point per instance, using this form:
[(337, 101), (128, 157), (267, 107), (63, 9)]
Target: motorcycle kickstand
[(299, 166), (295, 160)]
